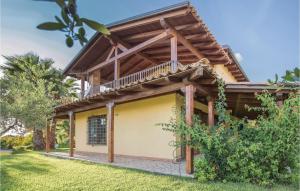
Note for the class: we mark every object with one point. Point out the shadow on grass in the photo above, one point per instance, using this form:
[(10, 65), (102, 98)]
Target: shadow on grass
[(24, 163)]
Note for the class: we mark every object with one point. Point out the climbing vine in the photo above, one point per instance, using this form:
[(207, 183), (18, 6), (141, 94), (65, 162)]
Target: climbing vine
[(263, 151)]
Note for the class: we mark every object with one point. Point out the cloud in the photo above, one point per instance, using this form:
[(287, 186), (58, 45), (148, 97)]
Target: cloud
[(238, 56)]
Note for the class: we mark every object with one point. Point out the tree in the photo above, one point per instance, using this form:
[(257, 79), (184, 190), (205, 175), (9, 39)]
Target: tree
[(32, 89), (71, 23), (289, 77)]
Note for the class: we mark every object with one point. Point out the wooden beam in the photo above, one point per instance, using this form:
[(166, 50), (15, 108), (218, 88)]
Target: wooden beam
[(156, 32), (237, 103), (116, 66), (71, 133), (211, 115), (279, 98), (181, 38), (47, 136), (131, 51), (113, 48), (174, 49), (82, 85), (124, 46), (153, 19), (110, 133), (189, 112)]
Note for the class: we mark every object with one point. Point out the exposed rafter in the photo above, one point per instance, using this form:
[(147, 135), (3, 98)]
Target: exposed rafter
[(132, 50), (180, 38)]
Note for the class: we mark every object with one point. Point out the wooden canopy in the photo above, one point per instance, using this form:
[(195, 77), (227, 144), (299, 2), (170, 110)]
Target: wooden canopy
[(156, 28)]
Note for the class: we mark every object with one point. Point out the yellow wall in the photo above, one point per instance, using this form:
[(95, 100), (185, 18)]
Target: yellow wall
[(136, 132), (223, 72)]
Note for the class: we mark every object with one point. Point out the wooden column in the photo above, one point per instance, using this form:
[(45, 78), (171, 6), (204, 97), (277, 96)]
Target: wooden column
[(116, 68), (279, 97), (71, 133), (174, 56), (211, 116), (52, 133), (189, 112), (82, 85), (110, 131), (47, 136)]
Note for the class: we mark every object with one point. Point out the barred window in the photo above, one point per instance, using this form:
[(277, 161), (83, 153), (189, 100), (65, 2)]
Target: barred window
[(97, 130)]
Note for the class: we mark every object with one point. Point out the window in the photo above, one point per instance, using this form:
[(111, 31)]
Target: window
[(97, 130)]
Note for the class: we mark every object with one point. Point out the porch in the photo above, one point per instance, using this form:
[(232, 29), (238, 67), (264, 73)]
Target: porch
[(166, 167)]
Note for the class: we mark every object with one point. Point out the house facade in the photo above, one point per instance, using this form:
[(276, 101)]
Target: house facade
[(150, 67)]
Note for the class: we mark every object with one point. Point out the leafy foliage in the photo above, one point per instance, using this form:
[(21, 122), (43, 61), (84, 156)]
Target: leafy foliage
[(71, 23), (62, 133), (290, 76), (9, 141), (31, 88), (263, 151)]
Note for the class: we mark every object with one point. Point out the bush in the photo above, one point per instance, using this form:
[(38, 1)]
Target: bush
[(9, 141), (263, 151), (205, 171)]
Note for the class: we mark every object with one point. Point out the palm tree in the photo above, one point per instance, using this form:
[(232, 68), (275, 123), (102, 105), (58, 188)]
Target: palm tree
[(37, 69)]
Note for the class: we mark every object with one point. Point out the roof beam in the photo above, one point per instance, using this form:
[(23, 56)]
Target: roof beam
[(123, 46), (180, 38), (156, 32), (145, 21), (131, 51)]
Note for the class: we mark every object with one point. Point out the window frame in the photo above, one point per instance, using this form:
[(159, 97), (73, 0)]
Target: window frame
[(90, 140)]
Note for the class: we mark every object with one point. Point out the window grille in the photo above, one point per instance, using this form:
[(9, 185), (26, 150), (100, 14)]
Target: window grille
[(97, 130)]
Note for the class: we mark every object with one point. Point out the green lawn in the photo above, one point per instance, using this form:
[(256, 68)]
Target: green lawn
[(33, 171)]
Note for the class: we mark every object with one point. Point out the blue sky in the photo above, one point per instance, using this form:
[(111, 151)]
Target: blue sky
[(263, 33)]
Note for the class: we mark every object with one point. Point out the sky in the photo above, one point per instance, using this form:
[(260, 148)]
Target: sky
[(264, 34)]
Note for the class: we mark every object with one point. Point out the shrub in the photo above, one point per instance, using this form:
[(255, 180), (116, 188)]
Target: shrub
[(9, 141), (205, 171), (264, 151)]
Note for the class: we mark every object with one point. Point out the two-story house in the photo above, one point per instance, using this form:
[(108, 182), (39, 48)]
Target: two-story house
[(134, 78)]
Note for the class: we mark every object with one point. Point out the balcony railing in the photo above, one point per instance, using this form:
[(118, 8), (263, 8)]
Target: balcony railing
[(140, 76)]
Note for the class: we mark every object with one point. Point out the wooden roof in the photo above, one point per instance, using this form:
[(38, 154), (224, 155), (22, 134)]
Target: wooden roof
[(240, 94), (234, 67), (135, 30)]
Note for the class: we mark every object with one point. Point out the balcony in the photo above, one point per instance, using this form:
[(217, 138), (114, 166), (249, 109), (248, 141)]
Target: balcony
[(135, 78), (150, 75)]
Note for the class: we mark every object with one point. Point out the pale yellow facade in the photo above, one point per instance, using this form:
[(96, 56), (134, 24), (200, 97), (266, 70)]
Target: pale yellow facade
[(137, 132), (136, 129), (224, 73)]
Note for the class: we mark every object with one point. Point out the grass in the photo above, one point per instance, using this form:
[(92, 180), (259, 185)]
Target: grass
[(33, 171)]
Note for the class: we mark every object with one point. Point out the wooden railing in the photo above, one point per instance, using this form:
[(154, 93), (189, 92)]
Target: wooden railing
[(133, 78)]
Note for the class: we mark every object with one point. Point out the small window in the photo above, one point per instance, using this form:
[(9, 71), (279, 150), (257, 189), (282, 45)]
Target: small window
[(97, 130)]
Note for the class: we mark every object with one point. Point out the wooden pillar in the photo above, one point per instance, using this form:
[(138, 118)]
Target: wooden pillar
[(110, 129), (52, 133), (211, 115), (82, 80), (47, 136), (189, 104), (279, 97), (174, 56), (116, 69), (71, 133)]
